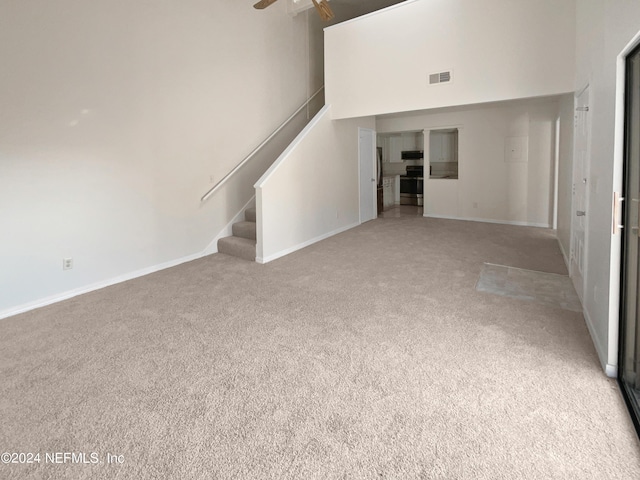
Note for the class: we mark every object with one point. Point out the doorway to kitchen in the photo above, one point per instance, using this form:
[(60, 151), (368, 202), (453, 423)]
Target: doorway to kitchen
[(402, 162), (398, 211)]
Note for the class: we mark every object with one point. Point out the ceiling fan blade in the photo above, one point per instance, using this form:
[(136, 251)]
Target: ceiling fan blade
[(264, 4), (324, 10)]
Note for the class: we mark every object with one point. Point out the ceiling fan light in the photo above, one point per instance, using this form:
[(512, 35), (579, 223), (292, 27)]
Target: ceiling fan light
[(324, 10)]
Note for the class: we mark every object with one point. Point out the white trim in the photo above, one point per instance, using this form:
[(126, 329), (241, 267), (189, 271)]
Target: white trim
[(488, 220), (292, 146), (259, 231), (97, 286), (227, 231), (360, 179), (302, 245), (458, 126), (577, 93), (608, 367), (43, 302), (586, 174), (556, 170)]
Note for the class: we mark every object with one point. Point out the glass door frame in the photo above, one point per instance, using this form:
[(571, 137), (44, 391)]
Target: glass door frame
[(633, 405)]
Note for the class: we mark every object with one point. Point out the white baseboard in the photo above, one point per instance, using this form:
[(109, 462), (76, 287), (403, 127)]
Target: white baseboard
[(300, 246), (488, 220), (43, 302), (609, 369), (227, 230), (211, 248)]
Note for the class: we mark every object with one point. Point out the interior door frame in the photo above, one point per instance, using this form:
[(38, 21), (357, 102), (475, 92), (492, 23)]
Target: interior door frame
[(586, 171), (367, 179)]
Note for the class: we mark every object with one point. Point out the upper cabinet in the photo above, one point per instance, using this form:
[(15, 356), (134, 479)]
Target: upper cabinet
[(443, 146), (412, 141), (409, 141), (443, 153), (393, 144), (395, 148)]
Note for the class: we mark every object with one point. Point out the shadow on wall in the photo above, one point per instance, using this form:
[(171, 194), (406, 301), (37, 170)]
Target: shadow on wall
[(530, 163), (238, 190)]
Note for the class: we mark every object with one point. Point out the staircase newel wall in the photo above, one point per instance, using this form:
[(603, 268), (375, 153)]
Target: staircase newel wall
[(311, 191)]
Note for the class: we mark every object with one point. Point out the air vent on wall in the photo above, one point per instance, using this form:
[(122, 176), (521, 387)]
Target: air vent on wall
[(440, 77)]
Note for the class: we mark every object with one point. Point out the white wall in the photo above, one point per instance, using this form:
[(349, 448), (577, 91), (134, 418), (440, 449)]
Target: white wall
[(498, 50), (603, 30), (488, 187), (311, 191), (115, 117), (343, 11)]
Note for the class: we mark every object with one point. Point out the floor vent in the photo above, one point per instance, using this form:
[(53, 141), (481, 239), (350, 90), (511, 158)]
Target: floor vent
[(440, 77)]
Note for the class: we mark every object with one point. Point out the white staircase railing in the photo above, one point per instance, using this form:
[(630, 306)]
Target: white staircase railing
[(224, 179)]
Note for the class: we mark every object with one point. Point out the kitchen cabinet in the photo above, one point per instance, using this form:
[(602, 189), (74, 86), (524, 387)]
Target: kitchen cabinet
[(409, 141), (412, 141), (388, 191), (394, 144), (443, 153), (395, 148), (443, 147)]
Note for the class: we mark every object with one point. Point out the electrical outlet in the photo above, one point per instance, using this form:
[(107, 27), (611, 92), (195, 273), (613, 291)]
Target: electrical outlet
[(475, 204), (211, 178), (67, 263)]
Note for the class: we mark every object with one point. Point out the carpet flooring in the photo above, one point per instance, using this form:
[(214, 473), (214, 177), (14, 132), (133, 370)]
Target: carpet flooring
[(369, 355)]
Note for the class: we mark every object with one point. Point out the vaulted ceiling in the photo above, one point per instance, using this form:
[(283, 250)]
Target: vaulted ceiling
[(345, 9)]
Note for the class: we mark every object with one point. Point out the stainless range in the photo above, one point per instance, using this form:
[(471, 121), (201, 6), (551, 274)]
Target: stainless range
[(411, 186)]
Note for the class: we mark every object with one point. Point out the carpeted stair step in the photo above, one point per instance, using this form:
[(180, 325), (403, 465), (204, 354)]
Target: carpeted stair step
[(238, 247), (250, 214), (244, 230)]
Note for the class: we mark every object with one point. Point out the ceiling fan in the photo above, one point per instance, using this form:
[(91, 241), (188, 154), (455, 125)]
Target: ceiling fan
[(322, 7)]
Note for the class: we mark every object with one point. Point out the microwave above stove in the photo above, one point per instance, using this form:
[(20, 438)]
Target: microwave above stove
[(412, 155)]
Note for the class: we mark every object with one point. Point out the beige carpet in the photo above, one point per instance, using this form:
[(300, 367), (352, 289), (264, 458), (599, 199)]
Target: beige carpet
[(369, 355)]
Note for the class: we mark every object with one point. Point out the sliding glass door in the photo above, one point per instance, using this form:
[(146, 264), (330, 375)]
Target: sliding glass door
[(629, 370)]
